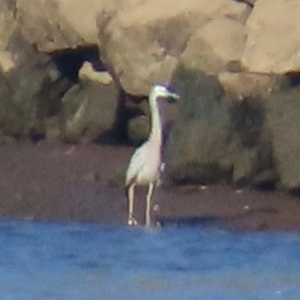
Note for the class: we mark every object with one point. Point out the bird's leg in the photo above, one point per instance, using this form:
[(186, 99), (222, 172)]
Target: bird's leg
[(131, 221), (148, 204)]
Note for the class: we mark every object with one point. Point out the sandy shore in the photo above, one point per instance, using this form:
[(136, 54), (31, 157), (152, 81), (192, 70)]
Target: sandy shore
[(51, 181)]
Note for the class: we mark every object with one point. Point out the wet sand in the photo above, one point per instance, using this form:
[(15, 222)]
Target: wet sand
[(66, 182)]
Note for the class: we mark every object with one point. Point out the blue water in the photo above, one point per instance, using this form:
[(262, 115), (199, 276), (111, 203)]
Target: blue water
[(86, 262)]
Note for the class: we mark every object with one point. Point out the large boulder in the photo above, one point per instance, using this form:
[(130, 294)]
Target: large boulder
[(197, 149), (42, 25), (59, 24), (273, 37), (91, 108), (217, 138), (143, 42), (30, 91), (215, 45)]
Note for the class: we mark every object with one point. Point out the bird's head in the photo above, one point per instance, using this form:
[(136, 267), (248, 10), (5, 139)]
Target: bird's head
[(159, 91)]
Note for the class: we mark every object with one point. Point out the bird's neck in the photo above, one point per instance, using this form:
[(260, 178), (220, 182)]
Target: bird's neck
[(156, 122)]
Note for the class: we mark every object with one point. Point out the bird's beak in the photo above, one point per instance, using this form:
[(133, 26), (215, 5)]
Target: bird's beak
[(172, 97)]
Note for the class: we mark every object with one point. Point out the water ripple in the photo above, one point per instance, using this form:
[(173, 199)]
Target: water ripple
[(85, 261)]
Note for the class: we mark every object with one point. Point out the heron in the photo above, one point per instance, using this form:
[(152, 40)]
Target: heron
[(145, 164)]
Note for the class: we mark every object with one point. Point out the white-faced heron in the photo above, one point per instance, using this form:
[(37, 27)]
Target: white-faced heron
[(145, 164)]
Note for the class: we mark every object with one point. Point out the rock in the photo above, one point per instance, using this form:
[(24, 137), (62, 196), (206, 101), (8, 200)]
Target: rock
[(8, 22), (138, 129), (91, 112), (59, 24), (218, 138), (244, 84), (88, 73), (81, 16), (7, 62), (8, 25), (138, 117), (215, 45), (9, 117), (42, 25), (140, 53), (251, 144), (197, 150), (273, 37), (30, 91), (282, 111)]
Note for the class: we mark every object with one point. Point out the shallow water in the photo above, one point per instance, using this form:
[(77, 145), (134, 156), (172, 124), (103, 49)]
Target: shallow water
[(83, 261)]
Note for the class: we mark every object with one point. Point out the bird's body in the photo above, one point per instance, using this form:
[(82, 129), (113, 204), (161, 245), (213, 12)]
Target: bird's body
[(145, 164), (142, 173)]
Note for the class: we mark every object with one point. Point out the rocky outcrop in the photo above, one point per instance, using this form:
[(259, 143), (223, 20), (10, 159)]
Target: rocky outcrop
[(250, 139), (33, 83), (220, 55), (205, 35)]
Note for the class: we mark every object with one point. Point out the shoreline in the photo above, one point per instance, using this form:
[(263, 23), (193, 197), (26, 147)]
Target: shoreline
[(68, 182)]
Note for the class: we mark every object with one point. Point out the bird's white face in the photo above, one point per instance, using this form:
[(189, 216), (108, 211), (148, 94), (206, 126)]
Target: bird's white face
[(160, 91)]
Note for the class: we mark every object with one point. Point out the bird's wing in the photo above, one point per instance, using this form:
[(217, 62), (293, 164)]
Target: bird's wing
[(136, 163)]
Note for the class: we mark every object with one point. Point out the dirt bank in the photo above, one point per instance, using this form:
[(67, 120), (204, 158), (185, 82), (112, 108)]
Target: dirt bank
[(50, 181)]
